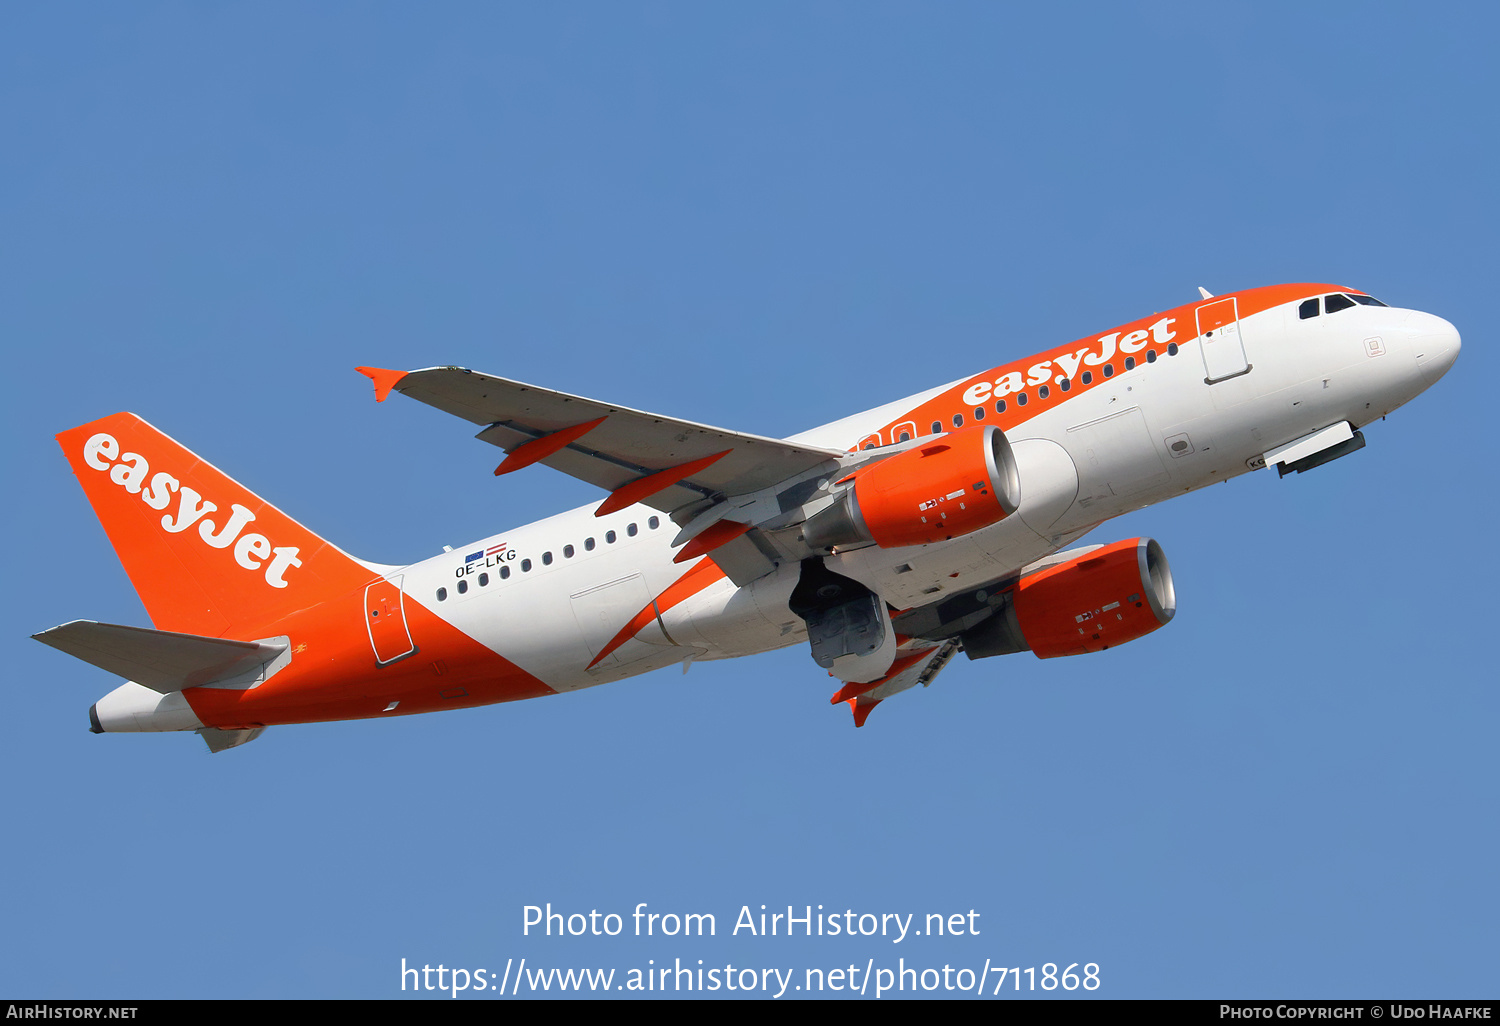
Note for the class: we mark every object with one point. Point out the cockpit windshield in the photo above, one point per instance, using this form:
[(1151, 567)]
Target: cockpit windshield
[(1334, 303)]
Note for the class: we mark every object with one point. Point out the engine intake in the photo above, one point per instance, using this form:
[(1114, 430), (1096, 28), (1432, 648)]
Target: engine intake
[(953, 485), (1099, 599)]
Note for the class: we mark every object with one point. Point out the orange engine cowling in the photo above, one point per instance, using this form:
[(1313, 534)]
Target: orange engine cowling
[(1102, 598), (951, 486)]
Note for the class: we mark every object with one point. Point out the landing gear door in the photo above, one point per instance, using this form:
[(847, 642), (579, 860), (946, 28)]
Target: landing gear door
[(1219, 336), (385, 619)]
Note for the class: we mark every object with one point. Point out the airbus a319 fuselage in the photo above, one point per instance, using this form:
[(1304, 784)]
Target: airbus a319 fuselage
[(885, 542)]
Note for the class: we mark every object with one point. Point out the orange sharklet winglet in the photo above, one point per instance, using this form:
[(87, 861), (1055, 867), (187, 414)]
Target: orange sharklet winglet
[(384, 380), (527, 453), (645, 487), (722, 533), (862, 712)]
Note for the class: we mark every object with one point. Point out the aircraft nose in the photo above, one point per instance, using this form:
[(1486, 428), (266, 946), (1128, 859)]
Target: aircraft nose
[(1435, 343)]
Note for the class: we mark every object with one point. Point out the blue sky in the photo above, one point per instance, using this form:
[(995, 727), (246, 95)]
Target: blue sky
[(764, 216)]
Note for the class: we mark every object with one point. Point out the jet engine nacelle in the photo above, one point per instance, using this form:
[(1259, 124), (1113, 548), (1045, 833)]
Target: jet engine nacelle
[(951, 486), (1096, 600)]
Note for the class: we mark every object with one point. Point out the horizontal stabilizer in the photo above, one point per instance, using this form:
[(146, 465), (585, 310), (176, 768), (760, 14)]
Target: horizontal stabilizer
[(160, 660)]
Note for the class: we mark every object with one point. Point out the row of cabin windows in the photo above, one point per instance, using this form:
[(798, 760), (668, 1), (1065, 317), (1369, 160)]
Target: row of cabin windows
[(1044, 392), (631, 530)]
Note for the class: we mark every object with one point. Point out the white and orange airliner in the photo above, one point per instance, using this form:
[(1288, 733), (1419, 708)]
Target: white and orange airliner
[(885, 542)]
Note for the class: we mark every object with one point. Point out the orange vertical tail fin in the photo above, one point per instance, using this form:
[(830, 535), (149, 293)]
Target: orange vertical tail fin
[(206, 555)]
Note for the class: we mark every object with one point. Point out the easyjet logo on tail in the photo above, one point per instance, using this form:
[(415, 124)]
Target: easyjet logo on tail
[(132, 472)]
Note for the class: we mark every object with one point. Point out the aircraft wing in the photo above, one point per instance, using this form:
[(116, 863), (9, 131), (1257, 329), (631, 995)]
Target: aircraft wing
[(613, 447), (909, 670)]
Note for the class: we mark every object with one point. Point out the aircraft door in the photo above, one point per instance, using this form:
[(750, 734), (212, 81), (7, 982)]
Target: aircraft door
[(1219, 337), (385, 620)]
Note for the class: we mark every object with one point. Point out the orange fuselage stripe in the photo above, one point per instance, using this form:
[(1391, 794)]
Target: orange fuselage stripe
[(1088, 354), (698, 577)]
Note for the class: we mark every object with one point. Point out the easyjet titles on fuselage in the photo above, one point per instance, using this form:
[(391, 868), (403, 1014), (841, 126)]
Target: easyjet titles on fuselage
[(1067, 363)]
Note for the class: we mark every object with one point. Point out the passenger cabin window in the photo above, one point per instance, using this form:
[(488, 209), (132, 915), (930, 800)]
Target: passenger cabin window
[(588, 545), (630, 530), (463, 587), (546, 559), (609, 537), (525, 566), (567, 552), (937, 427), (654, 523), (484, 580), (442, 594), (504, 572), (1336, 302)]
